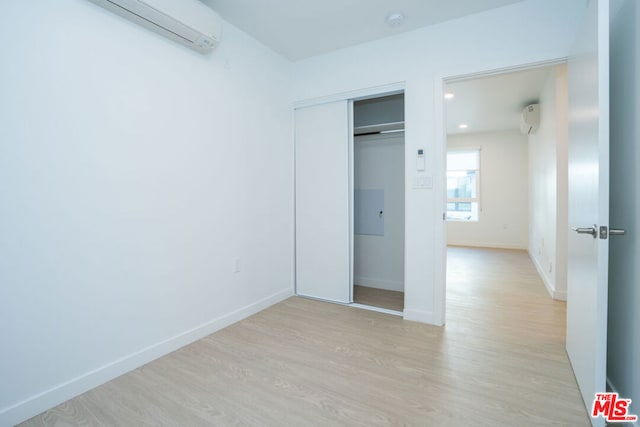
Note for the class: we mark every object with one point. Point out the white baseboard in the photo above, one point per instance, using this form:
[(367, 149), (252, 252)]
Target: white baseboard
[(559, 295), (543, 274), (427, 317), (370, 282), (485, 245), (39, 403), (555, 294)]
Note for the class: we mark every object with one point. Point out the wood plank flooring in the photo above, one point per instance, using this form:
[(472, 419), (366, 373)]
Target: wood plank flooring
[(500, 361), (391, 300)]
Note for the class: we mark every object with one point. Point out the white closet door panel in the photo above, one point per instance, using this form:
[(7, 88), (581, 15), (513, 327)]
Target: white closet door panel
[(322, 201)]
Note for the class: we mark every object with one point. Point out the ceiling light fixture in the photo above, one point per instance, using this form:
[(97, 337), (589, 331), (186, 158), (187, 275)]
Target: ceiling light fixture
[(449, 95), (395, 19), (463, 125)]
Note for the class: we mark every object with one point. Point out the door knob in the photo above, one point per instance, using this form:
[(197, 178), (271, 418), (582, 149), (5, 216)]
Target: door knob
[(593, 231)]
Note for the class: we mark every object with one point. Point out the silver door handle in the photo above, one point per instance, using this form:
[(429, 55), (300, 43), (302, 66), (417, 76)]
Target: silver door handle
[(586, 230), (617, 232)]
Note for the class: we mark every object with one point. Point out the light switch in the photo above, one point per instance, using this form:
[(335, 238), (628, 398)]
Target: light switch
[(428, 181), (423, 181)]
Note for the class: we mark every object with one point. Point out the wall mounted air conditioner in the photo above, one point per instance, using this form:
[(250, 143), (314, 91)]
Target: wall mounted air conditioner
[(530, 119), (188, 22)]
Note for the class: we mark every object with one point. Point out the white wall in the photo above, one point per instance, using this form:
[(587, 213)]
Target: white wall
[(526, 32), (379, 165), (503, 217), (548, 178), (623, 332), (132, 172)]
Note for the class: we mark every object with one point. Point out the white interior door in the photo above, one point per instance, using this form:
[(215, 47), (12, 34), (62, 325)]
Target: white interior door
[(323, 201), (589, 202)]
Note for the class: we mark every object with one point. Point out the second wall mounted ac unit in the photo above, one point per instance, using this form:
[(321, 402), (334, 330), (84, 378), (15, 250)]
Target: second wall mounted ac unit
[(530, 119)]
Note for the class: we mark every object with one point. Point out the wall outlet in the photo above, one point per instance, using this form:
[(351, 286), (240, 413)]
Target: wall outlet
[(236, 265)]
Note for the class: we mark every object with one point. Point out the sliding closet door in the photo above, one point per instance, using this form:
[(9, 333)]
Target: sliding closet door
[(322, 201)]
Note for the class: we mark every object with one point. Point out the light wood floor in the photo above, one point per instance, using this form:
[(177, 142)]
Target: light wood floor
[(392, 300), (500, 361)]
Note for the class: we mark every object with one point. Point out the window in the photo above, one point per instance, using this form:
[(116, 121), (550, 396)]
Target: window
[(463, 178)]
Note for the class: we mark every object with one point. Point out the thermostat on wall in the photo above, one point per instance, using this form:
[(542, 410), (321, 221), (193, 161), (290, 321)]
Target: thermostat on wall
[(420, 160)]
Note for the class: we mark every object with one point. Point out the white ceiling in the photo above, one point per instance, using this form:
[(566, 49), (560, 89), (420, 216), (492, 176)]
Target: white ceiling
[(493, 103), (300, 29)]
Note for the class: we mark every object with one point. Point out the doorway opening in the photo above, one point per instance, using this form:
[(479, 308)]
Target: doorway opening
[(506, 170), (378, 203)]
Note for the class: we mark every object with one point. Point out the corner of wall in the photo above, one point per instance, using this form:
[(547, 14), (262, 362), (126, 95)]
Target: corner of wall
[(31, 407), (562, 177)]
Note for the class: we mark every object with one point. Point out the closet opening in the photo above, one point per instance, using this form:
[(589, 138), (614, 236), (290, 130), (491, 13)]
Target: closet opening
[(378, 194)]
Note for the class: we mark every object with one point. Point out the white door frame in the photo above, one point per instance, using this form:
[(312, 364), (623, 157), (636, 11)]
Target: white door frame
[(440, 170)]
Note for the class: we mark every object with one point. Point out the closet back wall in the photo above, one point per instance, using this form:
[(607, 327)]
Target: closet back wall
[(375, 111), (379, 165)]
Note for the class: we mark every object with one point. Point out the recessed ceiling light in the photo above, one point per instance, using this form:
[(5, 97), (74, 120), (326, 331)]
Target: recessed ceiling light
[(395, 19), (449, 95), (463, 125)]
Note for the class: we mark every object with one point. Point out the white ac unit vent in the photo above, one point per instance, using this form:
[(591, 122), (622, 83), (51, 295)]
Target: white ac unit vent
[(530, 119), (188, 22)]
